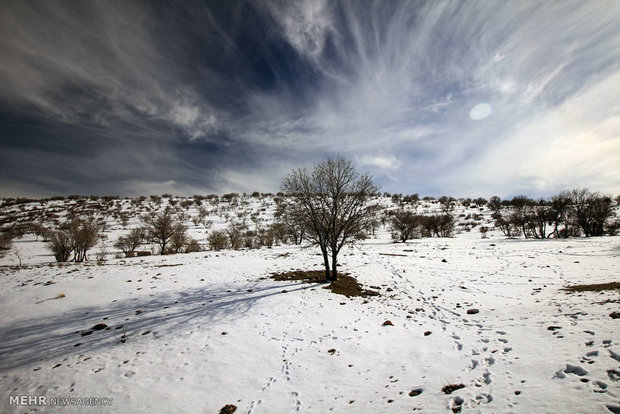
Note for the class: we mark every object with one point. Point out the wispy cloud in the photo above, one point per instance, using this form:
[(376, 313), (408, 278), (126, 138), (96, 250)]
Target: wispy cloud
[(226, 96)]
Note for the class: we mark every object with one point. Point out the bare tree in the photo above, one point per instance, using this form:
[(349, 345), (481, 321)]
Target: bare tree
[(333, 198), (558, 214), (159, 227), (179, 238), (591, 210), (495, 204)]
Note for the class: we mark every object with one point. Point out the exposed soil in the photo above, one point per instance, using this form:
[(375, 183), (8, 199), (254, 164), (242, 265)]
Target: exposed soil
[(593, 288), (345, 285), (311, 276), (450, 388)]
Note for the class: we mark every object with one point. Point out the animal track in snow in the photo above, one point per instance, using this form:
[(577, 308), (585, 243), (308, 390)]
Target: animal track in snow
[(295, 395), (570, 369), (269, 382), (455, 404), (599, 386), (484, 398), (485, 379), (489, 361)]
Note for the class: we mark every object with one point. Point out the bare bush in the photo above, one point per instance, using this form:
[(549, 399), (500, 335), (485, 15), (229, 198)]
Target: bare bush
[(235, 233), (39, 230), (192, 246), (447, 203), (83, 234), (59, 242), (129, 243), (249, 239), (6, 243), (218, 240), (483, 231), (480, 201), (613, 227), (438, 225), (404, 224), (265, 236), (196, 220)]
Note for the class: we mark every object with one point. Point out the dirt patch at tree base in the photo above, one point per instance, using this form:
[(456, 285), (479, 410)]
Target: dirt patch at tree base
[(345, 285), (593, 288)]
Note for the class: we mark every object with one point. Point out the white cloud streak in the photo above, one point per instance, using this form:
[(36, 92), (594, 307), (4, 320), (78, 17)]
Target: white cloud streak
[(402, 79)]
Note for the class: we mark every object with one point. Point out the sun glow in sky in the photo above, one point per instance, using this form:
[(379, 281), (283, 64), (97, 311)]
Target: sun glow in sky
[(480, 111), (471, 98)]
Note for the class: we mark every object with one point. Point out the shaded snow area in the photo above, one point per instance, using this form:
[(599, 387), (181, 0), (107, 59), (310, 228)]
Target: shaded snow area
[(190, 333)]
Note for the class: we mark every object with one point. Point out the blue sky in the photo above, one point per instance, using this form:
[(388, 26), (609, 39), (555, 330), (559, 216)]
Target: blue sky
[(461, 98)]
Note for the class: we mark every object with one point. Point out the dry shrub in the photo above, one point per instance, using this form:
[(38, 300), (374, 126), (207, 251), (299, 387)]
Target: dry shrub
[(218, 240)]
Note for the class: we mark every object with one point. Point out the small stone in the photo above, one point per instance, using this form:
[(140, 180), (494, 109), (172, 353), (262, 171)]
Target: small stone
[(387, 323), (427, 333), (228, 409), (416, 392), (472, 311)]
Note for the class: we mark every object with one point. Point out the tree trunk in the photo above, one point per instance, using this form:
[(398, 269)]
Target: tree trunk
[(334, 267), (326, 262)]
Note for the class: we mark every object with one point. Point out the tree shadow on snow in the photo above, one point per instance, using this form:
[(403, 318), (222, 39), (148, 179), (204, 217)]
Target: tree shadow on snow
[(35, 340)]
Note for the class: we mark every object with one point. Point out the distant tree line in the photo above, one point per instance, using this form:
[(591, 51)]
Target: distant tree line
[(329, 206), (568, 214)]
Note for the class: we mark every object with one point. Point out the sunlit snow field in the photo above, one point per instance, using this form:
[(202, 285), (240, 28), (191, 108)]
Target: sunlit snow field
[(193, 332)]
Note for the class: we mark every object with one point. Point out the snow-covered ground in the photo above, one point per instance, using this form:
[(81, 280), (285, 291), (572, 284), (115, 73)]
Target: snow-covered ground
[(193, 332)]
